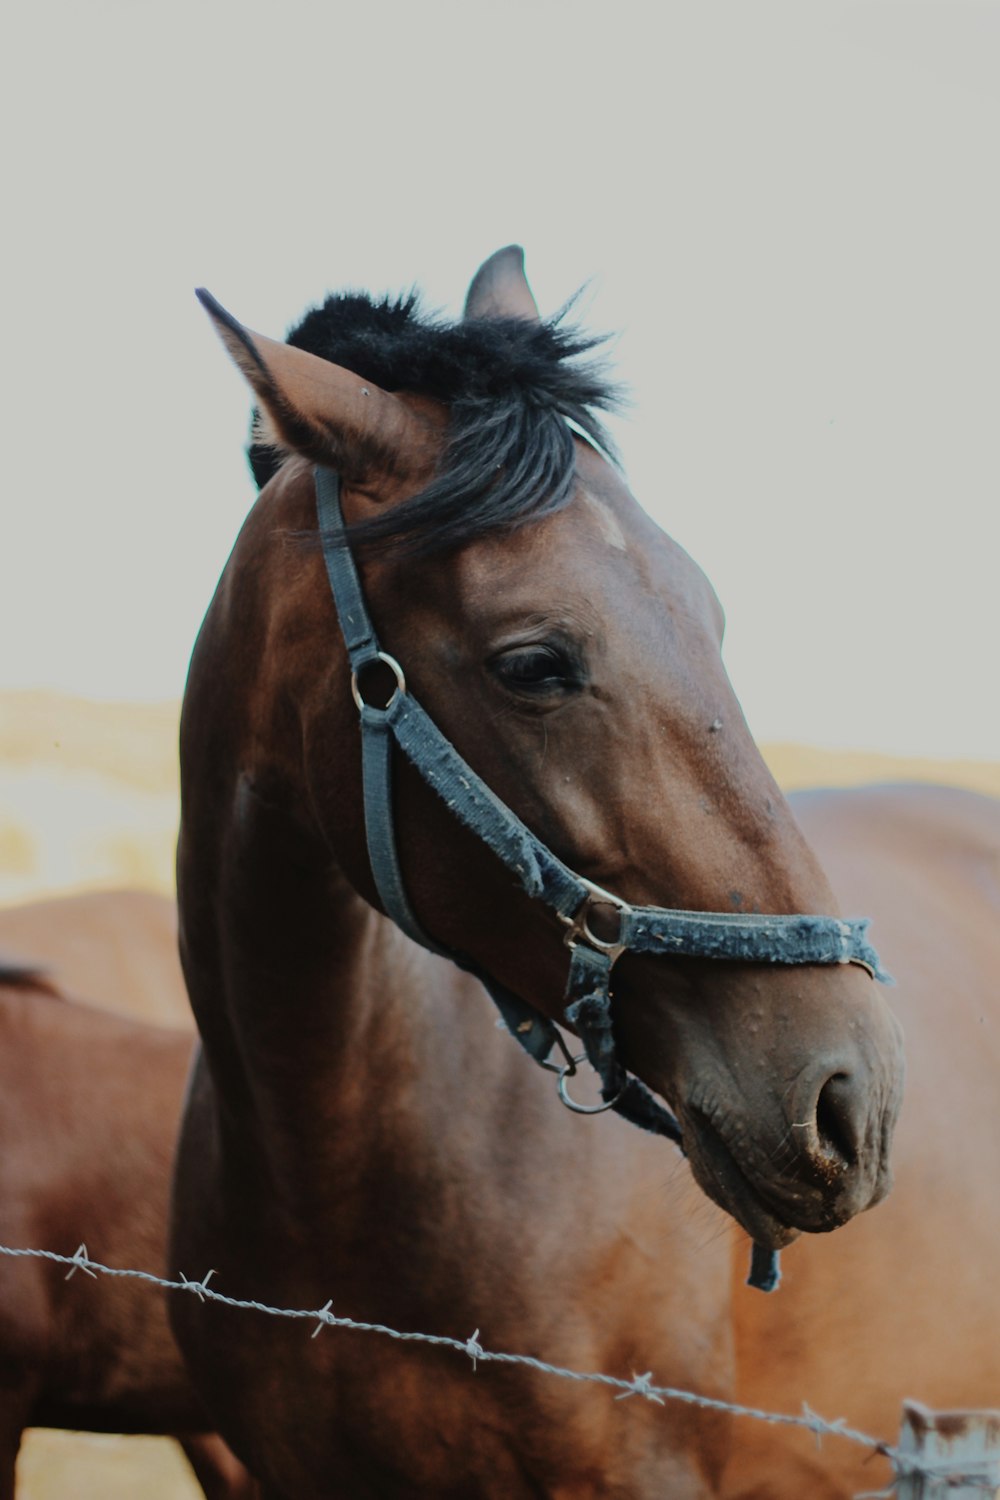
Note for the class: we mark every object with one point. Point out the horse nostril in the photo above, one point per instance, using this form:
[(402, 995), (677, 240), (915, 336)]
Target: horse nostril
[(836, 1123)]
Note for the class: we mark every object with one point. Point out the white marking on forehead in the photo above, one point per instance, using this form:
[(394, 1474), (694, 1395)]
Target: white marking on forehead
[(610, 529)]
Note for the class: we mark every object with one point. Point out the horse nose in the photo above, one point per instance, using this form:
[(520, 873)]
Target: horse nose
[(840, 1118), (832, 1113)]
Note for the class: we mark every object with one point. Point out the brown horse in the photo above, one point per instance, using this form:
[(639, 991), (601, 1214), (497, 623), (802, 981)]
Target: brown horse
[(117, 947), (905, 1301), (89, 1103), (357, 1129)]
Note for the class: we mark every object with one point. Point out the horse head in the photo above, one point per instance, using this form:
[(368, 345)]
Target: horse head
[(570, 650)]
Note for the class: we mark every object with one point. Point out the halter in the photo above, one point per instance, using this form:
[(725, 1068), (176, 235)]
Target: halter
[(541, 874)]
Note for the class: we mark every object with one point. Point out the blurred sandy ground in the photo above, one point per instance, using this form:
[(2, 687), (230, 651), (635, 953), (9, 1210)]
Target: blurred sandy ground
[(89, 797), (89, 794), (89, 1466)]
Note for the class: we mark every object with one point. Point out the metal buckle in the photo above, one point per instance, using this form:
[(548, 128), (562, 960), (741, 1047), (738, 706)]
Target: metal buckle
[(394, 668), (568, 1069), (578, 926)]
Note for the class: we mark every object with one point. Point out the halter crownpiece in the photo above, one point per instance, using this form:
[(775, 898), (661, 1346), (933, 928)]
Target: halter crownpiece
[(733, 936)]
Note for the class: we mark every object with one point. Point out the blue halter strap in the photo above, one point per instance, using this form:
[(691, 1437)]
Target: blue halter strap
[(734, 936)]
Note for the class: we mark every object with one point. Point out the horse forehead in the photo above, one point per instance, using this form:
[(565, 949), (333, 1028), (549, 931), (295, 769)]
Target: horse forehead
[(575, 555), (610, 519), (600, 554)]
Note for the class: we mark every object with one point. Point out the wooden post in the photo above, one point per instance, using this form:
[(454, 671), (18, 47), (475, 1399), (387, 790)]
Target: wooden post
[(960, 1448)]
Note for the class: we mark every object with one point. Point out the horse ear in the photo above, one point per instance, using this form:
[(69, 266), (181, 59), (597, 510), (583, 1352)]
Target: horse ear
[(310, 406), (500, 288)]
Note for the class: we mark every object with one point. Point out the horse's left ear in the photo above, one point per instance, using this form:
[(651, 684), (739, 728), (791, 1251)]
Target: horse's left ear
[(314, 407), (500, 288)]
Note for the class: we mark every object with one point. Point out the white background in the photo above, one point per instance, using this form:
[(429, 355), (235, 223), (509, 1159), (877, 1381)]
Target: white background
[(788, 212)]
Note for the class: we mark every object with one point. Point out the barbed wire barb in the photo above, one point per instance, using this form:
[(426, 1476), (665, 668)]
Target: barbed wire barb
[(474, 1349), (325, 1315), (640, 1386), (820, 1427), (198, 1287), (79, 1262)]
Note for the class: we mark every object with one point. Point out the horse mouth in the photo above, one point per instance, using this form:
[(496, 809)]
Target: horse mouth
[(719, 1175)]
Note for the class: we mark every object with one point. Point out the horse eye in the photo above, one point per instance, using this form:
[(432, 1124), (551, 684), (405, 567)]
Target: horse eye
[(535, 669)]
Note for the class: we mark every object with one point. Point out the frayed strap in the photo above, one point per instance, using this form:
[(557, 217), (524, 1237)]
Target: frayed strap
[(590, 1014), (765, 1269)]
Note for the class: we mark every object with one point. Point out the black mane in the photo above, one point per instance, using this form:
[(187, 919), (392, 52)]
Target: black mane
[(510, 385)]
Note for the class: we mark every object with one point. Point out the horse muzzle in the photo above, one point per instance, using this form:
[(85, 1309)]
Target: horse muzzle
[(810, 1173)]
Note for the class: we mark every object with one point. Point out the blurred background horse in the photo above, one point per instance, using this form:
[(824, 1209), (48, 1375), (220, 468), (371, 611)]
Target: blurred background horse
[(904, 1301), (89, 1102)]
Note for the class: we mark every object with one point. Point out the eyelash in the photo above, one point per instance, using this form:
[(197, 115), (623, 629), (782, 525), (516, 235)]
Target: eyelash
[(554, 670)]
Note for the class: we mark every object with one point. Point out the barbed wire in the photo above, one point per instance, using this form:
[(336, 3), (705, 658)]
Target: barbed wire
[(981, 1474)]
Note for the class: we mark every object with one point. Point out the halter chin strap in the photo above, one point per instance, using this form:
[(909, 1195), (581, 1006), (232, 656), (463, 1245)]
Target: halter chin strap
[(541, 874)]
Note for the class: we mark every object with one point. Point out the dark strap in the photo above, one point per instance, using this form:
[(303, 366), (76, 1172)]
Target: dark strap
[(383, 856), (758, 938), (345, 585), (735, 936), (588, 993), (535, 1032), (537, 870)]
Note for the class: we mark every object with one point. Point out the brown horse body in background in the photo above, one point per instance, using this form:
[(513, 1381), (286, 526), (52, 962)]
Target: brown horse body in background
[(117, 948), (905, 1301), (89, 1102), (356, 1128)]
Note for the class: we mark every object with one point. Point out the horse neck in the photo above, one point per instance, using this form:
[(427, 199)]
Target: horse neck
[(291, 974)]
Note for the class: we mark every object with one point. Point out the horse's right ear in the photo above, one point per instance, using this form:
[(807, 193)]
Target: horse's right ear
[(500, 288), (311, 406)]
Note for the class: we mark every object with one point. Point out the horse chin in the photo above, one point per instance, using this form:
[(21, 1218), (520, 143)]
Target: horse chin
[(719, 1175)]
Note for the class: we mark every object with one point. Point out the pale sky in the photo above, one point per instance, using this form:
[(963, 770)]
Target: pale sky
[(787, 213)]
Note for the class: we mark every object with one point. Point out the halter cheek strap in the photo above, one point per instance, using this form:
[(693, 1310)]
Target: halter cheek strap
[(542, 875)]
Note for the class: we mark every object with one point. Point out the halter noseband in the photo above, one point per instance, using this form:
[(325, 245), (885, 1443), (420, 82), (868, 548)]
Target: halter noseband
[(541, 874)]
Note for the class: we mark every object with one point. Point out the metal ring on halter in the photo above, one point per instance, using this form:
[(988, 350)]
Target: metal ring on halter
[(578, 928), (569, 1066), (569, 1071), (394, 668)]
